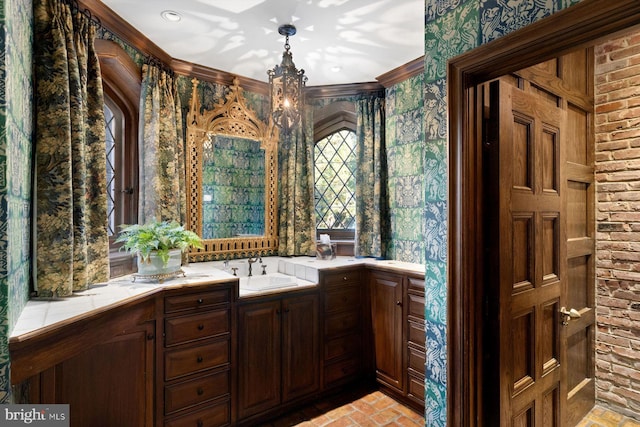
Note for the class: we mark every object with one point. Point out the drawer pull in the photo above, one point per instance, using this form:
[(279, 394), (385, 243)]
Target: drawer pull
[(200, 391), (200, 300), (200, 327), (199, 359)]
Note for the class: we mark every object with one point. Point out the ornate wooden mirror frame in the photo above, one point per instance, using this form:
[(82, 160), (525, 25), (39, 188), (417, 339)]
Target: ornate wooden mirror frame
[(230, 117)]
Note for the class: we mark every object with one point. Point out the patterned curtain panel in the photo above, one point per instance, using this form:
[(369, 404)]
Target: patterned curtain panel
[(296, 204), (71, 243), (161, 150), (372, 212)]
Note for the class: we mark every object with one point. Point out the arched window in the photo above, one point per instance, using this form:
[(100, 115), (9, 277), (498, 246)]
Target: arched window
[(121, 86), (334, 171)]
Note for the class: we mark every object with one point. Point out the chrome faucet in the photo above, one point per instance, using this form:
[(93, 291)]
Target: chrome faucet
[(251, 260)]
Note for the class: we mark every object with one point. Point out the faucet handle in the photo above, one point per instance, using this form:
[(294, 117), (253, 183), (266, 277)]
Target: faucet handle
[(235, 270), (264, 268)]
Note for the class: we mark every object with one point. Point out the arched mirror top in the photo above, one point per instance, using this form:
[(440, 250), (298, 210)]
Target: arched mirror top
[(236, 213)]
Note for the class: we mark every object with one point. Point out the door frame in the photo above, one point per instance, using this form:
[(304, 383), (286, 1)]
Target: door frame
[(576, 26)]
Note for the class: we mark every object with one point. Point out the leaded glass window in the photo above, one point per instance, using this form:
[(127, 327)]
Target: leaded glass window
[(335, 182)]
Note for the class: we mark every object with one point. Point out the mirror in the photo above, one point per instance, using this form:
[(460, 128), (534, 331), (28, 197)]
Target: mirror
[(231, 178)]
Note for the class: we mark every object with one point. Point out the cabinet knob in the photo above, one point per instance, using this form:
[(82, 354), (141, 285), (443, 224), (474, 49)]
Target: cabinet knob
[(199, 359), (200, 300), (200, 391), (399, 303), (286, 310), (150, 337), (199, 423), (344, 278), (200, 327)]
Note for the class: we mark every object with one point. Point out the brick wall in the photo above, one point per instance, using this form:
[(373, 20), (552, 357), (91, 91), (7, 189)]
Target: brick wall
[(617, 89)]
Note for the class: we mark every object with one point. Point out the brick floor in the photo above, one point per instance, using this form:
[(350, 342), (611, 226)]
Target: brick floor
[(374, 409)]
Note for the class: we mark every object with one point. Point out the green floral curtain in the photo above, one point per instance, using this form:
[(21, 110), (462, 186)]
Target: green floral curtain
[(161, 151), (296, 204), (71, 243), (372, 213)]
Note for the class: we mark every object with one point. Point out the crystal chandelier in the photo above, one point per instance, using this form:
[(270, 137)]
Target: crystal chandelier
[(286, 85)]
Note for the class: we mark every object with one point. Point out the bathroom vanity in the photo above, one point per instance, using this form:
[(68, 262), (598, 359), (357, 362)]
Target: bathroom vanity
[(213, 349)]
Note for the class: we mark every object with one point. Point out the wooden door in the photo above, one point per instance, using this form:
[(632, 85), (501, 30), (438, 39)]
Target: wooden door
[(386, 316), (300, 346), (535, 199), (109, 384), (258, 357)]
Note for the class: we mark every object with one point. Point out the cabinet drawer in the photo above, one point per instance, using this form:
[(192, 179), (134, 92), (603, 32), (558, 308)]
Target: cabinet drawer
[(183, 395), (196, 326), (336, 372), (341, 323), (341, 277), (183, 362), (416, 389), (197, 300), (417, 360), (416, 334), (339, 347), (416, 285), (340, 299), (213, 416), (416, 306)]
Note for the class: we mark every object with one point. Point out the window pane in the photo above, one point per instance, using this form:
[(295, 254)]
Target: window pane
[(111, 168), (335, 182)]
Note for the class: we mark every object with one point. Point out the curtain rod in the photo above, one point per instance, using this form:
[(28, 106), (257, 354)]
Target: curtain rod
[(75, 7)]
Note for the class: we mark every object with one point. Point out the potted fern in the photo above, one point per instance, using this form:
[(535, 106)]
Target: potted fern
[(159, 245)]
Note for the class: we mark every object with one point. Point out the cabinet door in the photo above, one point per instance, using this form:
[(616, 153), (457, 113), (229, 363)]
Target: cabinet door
[(387, 318), (259, 354), (110, 384), (300, 346)]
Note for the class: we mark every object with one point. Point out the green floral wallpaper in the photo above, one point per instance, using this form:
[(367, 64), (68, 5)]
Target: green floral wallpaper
[(405, 160), (16, 127)]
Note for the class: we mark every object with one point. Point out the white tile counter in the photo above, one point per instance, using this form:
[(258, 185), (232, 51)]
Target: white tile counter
[(40, 314)]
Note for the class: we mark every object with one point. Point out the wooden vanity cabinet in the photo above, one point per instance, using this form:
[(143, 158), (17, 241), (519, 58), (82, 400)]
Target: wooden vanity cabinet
[(398, 328), (102, 366), (278, 352), (195, 369), (343, 317)]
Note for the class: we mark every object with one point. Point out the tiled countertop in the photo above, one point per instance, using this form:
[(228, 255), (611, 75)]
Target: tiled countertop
[(39, 314)]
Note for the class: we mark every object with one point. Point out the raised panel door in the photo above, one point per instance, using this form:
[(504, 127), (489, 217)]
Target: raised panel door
[(300, 346), (539, 176), (387, 321), (259, 356)]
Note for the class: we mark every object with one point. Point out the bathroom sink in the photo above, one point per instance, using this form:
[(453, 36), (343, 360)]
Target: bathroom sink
[(266, 282)]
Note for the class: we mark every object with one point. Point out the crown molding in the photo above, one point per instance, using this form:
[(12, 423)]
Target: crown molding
[(402, 73), (336, 91), (213, 75)]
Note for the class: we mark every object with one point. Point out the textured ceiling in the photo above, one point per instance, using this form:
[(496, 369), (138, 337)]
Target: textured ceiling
[(363, 38)]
